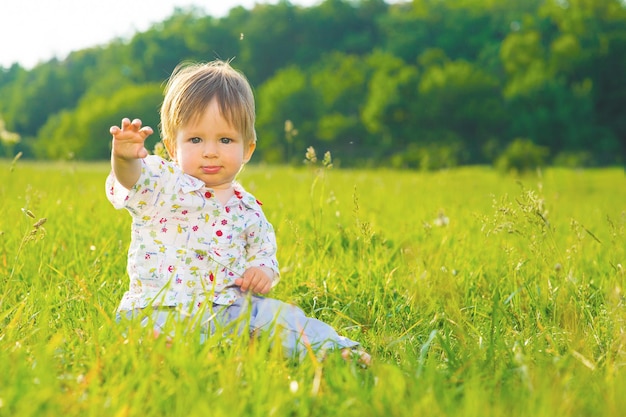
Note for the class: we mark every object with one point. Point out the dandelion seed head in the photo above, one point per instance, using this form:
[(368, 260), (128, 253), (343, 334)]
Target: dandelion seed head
[(441, 220), (293, 386)]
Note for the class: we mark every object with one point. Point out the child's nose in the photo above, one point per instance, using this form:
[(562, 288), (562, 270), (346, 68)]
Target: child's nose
[(210, 149)]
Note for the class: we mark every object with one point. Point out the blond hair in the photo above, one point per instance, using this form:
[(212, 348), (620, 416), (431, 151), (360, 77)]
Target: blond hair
[(192, 87)]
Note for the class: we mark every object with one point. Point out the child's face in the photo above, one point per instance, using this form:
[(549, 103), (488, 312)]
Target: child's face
[(210, 149)]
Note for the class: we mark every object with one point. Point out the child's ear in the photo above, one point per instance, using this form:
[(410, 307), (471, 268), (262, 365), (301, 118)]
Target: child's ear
[(247, 154)]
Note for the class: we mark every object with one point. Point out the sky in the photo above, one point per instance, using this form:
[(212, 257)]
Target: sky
[(33, 31)]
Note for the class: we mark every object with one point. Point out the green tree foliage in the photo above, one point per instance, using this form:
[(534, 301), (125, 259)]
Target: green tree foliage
[(37, 94), (387, 114), (459, 101), (422, 83), (340, 83), (522, 155), (269, 38), (289, 89), (83, 132)]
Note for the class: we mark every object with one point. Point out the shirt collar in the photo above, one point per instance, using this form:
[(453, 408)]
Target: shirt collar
[(189, 184), (245, 197)]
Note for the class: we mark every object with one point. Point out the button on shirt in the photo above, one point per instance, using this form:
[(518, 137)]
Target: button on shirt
[(186, 247)]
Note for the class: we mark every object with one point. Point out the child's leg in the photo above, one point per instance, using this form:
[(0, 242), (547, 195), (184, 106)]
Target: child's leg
[(157, 318), (228, 319), (299, 333)]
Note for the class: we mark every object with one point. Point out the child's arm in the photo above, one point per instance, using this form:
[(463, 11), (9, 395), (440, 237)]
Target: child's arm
[(128, 148), (262, 273)]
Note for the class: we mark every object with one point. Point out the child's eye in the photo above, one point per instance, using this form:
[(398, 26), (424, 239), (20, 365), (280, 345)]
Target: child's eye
[(226, 140), (195, 140)]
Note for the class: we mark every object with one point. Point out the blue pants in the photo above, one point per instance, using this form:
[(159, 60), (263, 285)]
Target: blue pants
[(298, 333)]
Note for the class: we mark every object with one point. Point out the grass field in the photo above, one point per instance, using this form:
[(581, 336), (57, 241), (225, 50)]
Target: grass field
[(478, 294)]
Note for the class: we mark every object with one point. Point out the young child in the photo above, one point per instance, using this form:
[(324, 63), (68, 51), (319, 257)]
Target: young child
[(201, 246)]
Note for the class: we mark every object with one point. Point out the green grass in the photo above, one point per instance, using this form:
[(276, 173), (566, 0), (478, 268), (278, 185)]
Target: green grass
[(513, 308)]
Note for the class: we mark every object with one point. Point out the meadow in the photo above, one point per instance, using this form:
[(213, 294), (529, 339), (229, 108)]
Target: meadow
[(477, 293)]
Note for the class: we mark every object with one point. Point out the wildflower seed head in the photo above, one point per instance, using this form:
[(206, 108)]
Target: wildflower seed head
[(40, 223), (28, 213), (290, 131), (328, 160), (160, 150), (310, 156)]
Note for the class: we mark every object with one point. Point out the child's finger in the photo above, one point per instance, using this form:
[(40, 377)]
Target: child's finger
[(240, 283), (146, 131), (264, 288)]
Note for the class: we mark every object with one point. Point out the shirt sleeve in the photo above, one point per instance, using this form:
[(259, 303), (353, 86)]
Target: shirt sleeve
[(116, 192), (261, 246), (142, 193)]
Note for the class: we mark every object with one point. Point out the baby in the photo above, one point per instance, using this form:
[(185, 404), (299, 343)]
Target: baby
[(201, 244)]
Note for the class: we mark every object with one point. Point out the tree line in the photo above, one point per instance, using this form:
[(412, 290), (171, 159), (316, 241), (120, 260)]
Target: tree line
[(425, 84)]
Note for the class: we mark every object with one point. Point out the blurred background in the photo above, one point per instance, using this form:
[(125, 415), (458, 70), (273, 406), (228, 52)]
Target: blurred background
[(423, 84)]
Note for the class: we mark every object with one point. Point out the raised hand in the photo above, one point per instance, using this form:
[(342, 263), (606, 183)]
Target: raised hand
[(128, 140), (128, 149)]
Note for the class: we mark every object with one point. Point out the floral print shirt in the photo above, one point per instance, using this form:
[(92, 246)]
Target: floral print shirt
[(186, 247)]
